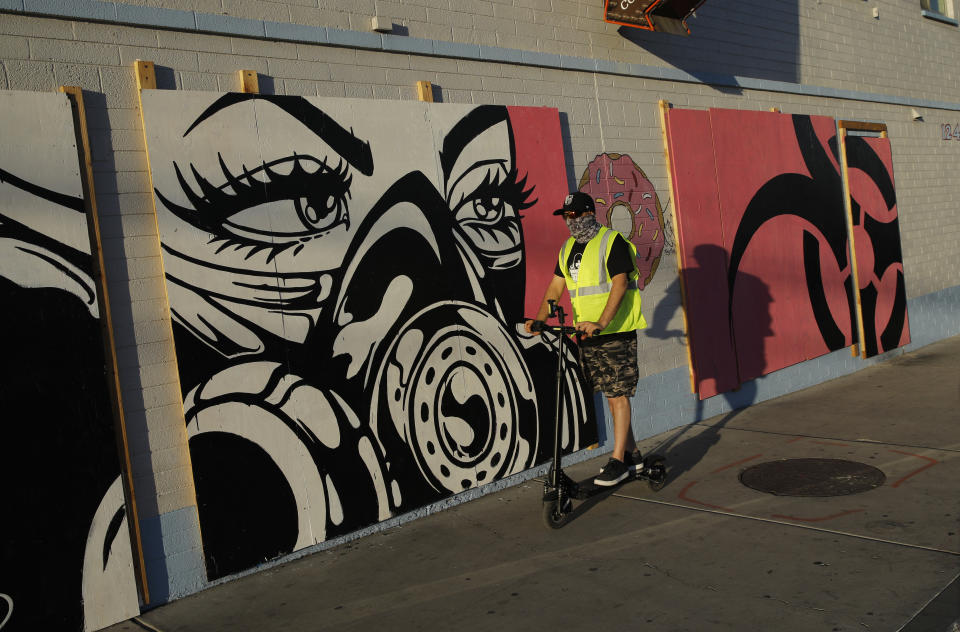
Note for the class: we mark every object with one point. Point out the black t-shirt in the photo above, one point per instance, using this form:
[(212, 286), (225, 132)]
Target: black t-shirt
[(619, 261)]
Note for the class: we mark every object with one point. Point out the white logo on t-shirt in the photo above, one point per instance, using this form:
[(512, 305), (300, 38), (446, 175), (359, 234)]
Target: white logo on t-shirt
[(575, 266)]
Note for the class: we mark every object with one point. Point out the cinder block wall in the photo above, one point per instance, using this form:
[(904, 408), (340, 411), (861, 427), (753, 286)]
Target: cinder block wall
[(827, 57)]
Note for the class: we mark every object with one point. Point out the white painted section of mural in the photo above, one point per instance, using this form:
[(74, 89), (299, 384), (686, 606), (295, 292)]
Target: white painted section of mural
[(109, 590), (70, 562), (37, 146), (345, 280)]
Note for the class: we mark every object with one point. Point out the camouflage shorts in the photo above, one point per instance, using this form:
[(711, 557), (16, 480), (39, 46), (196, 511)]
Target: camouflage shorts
[(611, 366)]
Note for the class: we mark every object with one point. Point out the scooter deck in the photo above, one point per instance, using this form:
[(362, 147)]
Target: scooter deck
[(653, 471), (559, 494), (587, 488)]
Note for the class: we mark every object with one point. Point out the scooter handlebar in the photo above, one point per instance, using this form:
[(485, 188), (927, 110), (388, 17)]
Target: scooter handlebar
[(538, 326)]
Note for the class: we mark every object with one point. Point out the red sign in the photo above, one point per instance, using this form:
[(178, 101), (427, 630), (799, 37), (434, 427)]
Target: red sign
[(668, 16)]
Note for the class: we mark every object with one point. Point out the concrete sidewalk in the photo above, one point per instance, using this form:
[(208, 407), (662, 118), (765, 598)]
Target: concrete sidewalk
[(704, 553)]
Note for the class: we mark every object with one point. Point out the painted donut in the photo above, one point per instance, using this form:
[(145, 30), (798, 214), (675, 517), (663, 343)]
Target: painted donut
[(627, 202)]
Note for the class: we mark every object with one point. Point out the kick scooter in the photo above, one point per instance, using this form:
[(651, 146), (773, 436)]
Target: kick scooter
[(559, 490)]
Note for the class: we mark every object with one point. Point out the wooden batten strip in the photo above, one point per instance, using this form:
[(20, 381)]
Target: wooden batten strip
[(861, 126), (425, 91), (146, 75), (249, 81), (75, 95), (146, 80), (664, 107), (848, 213)]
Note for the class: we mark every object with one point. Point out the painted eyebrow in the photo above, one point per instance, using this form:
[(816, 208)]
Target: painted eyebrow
[(469, 127), (60, 199), (355, 151)]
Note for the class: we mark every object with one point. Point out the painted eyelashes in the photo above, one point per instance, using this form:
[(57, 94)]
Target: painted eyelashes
[(487, 203), (488, 214), (244, 210)]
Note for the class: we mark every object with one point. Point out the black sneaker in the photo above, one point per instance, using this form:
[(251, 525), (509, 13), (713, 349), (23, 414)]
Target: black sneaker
[(613, 472), (633, 461)]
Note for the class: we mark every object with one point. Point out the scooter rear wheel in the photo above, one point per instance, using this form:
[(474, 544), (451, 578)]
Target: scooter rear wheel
[(656, 470), (554, 517)]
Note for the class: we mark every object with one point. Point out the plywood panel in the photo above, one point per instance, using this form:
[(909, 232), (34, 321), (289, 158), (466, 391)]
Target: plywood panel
[(702, 257), (346, 279), (778, 229), (781, 199), (70, 565)]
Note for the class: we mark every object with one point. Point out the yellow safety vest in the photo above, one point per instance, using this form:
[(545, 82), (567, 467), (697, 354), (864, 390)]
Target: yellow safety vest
[(589, 292)]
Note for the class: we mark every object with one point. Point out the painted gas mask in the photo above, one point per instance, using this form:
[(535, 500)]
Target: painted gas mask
[(349, 288)]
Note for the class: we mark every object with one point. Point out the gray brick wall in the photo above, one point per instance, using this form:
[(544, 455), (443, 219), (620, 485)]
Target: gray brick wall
[(831, 43)]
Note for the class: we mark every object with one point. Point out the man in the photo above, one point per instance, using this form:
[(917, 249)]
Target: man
[(598, 267)]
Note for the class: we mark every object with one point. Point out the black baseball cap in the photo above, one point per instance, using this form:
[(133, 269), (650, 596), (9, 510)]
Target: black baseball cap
[(577, 202)]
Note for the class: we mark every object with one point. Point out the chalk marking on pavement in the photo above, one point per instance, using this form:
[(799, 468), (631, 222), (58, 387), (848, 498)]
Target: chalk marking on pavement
[(683, 496), (931, 463), (741, 461), (791, 524)]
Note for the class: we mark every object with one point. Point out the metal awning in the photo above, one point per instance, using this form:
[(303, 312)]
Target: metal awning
[(668, 16)]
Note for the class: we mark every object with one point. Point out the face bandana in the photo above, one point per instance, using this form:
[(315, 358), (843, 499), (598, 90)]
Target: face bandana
[(583, 228)]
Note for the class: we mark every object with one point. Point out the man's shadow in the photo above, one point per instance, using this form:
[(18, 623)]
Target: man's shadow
[(745, 313)]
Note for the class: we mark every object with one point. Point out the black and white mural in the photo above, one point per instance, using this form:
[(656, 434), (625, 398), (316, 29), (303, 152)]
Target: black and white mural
[(346, 280), (67, 561)]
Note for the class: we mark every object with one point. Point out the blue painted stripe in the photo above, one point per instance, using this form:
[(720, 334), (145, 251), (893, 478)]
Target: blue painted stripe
[(456, 49), (496, 53), (578, 63), (535, 58), (84, 9), (230, 25), (165, 18), (355, 39), (296, 32), (402, 44)]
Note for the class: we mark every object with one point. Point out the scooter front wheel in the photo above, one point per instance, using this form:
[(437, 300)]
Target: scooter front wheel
[(555, 516)]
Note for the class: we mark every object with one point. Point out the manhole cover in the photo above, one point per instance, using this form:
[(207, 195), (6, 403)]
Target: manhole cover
[(812, 477)]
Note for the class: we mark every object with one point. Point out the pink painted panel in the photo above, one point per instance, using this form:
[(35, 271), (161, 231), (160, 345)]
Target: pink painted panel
[(539, 156), (780, 194), (703, 260), (876, 239), (779, 232)]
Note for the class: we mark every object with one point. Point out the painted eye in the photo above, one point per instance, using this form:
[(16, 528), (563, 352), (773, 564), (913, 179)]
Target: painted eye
[(320, 214), (489, 209), (286, 201), (485, 198)]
